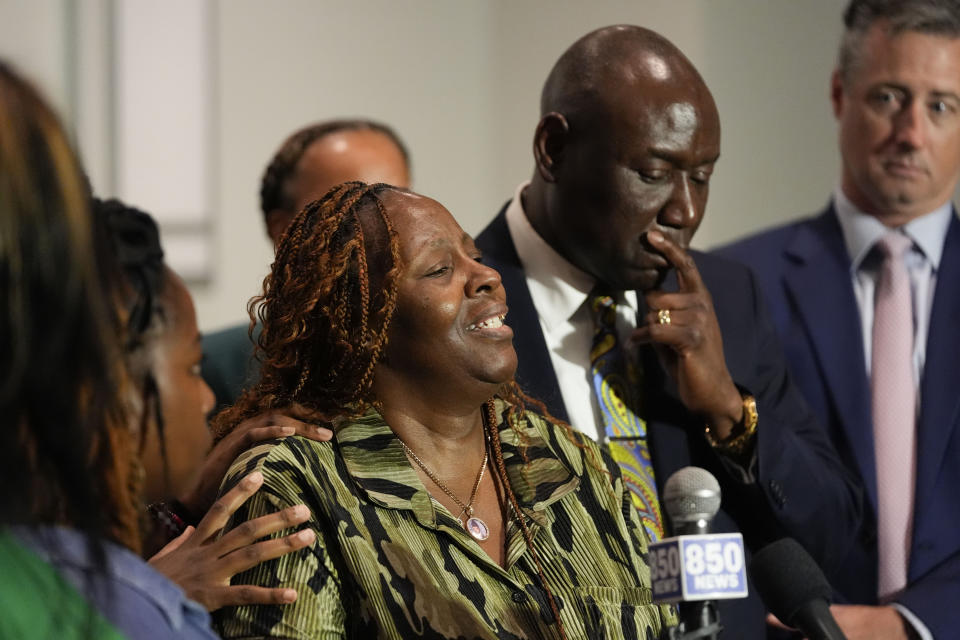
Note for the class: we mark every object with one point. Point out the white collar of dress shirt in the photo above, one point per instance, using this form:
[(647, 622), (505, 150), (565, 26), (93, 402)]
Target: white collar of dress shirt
[(862, 230), (557, 287)]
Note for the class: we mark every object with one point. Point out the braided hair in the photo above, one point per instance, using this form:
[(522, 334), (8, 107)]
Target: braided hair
[(325, 308), (274, 194)]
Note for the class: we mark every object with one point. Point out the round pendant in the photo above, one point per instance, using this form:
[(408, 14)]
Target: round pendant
[(477, 529)]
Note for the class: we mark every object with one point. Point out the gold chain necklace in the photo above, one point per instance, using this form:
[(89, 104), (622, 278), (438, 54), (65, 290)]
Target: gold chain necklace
[(476, 527)]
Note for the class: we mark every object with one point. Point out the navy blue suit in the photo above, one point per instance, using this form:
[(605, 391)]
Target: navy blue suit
[(801, 489), (804, 271)]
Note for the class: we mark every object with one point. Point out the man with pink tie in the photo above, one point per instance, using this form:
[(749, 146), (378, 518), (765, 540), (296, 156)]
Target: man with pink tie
[(865, 297)]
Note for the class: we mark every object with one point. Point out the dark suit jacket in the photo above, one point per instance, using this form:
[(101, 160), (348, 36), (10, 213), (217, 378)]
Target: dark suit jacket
[(801, 488), (804, 271)]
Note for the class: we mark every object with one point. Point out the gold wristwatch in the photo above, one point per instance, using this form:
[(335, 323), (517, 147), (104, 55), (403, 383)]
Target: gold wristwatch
[(742, 433)]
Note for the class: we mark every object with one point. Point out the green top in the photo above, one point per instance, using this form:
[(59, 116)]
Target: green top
[(35, 602), (391, 562)]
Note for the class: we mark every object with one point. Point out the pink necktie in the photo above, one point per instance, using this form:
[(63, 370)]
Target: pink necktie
[(894, 413)]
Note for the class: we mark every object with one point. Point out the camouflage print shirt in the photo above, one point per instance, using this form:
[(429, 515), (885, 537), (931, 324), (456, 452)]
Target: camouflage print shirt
[(391, 562)]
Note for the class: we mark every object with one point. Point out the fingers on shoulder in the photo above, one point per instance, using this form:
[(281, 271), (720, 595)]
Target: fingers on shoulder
[(269, 524), (246, 594), (253, 554)]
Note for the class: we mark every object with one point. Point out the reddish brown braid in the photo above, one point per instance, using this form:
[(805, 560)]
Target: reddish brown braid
[(519, 402), (390, 305), (325, 308), (490, 417)]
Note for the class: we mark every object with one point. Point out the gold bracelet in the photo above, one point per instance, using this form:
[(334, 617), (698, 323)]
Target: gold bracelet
[(736, 443)]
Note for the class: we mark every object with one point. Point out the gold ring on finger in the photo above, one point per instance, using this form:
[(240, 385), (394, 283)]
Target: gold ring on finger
[(663, 316)]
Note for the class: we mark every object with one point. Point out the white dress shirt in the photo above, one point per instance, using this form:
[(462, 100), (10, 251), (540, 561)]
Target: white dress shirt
[(560, 291)]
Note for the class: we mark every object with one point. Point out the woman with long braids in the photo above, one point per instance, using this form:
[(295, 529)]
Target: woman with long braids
[(443, 507)]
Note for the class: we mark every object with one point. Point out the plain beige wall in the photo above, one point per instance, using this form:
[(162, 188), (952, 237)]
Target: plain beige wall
[(460, 82), (424, 67)]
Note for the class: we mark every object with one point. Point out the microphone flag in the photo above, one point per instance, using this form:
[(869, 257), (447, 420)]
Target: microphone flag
[(698, 567)]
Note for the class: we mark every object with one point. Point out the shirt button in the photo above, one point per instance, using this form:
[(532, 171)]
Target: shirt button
[(518, 597)]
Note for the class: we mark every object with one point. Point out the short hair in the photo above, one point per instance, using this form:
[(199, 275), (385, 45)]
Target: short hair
[(577, 85), (273, 185), (933, 17)]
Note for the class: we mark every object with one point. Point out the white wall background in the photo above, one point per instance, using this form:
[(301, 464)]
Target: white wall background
[(458, 79)]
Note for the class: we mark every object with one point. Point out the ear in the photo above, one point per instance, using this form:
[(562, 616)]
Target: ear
[(549, 144), (277, 222), (836, 93)]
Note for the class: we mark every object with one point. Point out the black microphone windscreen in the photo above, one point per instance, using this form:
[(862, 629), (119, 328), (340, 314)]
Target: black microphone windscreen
[(787, 578)]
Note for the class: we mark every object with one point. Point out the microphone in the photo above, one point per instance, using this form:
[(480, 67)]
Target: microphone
[(691, 497), (794, 589), (695, 568)]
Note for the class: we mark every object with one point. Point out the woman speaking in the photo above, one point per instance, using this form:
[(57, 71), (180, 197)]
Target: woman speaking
[(442, 508)]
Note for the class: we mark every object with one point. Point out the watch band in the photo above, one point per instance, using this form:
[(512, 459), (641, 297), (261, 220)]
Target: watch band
[(736, 443)]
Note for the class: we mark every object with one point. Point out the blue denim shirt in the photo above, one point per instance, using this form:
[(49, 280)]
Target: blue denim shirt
[(138, 600)]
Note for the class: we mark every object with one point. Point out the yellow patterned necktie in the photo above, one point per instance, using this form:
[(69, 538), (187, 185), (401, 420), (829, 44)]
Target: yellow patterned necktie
[(617, 383)]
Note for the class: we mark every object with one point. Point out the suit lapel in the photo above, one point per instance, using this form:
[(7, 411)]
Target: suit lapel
[(817, 280), (535, 373), (940, 401)]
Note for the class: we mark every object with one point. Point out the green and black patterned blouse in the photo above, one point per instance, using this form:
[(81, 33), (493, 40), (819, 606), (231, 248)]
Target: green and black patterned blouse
[(390, 562)]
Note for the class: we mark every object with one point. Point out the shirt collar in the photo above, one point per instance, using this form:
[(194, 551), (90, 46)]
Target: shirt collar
[(862, 230), (557, 287), (378, 465), (375, 460)]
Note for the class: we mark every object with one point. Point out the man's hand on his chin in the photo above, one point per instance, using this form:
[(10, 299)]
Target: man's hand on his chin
[(690, 345)]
